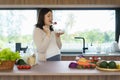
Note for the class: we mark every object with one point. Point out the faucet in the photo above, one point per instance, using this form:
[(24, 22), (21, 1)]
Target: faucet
[(19, 48), (84, 48)]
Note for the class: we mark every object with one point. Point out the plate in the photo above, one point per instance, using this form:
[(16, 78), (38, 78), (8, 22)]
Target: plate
[(104, 69)]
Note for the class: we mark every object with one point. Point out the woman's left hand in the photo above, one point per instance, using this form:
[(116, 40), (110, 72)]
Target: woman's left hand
[(58, 34)]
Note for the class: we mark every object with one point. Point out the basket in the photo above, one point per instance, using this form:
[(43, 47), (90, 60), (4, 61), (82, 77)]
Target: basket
[(7, 65)]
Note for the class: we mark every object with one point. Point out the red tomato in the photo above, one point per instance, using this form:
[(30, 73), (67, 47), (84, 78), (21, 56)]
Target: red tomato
[(19, 67), (88, 66), (28, 66), (93, 65), (23, 66)]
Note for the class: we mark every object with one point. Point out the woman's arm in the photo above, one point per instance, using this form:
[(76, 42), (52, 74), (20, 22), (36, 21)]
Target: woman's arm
[(58, 40), (41, 40)]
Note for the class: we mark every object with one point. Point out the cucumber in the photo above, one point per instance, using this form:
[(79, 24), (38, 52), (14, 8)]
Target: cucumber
[(21, 62)]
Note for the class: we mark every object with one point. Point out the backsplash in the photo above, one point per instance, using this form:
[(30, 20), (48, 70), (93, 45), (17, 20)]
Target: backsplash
[(72, 58)]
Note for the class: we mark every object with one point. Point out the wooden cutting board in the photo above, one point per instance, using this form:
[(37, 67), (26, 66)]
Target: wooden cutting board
[(106, 69)]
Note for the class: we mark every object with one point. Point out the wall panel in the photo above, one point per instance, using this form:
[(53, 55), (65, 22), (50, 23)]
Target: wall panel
[(61, 2), (27, 2), (71, 58), (113, 2), (46, 2)]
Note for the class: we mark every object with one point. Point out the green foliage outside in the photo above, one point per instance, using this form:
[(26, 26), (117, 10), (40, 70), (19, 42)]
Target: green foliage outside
[(93, 36), (10, 28)]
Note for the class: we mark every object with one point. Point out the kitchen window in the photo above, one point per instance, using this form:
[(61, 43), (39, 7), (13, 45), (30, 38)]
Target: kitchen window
[(96, 26), (16, 26)]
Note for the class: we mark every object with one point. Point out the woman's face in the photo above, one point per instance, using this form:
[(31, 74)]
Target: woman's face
[(48, 18)]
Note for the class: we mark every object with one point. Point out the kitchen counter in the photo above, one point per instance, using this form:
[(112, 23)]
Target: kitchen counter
[(57, 70)]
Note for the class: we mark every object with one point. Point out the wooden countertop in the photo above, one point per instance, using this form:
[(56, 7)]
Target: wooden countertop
[(56, 68)]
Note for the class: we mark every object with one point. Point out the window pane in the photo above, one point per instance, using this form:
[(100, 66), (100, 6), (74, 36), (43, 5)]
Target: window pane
[(16, 26), (96, 26)]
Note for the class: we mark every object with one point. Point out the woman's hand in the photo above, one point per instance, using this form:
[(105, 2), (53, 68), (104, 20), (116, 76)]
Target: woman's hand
[(46, 30), (58, 34)]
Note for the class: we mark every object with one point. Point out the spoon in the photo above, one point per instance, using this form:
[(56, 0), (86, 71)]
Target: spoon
[(54, 23)]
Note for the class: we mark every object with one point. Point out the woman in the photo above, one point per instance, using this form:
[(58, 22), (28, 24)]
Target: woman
[(48, 42)]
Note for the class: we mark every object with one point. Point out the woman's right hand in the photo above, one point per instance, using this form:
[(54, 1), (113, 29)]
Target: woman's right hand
[(46, 30)]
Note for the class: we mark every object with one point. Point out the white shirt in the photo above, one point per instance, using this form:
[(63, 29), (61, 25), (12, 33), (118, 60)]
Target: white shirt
[(46, 46)]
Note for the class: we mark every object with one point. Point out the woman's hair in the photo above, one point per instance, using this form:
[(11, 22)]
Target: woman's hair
[(40, 22)]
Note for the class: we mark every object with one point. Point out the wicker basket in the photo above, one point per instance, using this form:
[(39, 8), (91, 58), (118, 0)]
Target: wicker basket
[(7, 65)]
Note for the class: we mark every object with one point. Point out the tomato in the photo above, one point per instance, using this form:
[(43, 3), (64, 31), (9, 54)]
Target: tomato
[(23, 66), (93, 65), (88, 66), (19, 67), (28, 66)]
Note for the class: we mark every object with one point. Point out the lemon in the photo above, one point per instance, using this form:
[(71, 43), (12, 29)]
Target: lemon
[(82, 59), (118, 66)]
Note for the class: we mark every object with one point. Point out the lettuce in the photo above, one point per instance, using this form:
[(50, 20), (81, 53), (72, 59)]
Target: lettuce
[(7, 54)]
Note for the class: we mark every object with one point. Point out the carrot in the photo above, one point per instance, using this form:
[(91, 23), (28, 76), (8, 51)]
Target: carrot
[(82, 63)]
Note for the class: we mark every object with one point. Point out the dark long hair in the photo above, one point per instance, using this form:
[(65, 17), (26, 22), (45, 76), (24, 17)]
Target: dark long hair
[(40, 22)]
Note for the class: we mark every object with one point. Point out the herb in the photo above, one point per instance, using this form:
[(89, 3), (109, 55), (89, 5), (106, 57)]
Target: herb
[(6, 54)]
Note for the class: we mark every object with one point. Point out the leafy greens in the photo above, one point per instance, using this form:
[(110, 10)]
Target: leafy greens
[(6, 54)]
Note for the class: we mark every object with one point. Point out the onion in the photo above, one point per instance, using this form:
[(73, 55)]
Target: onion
[(73, 65)]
